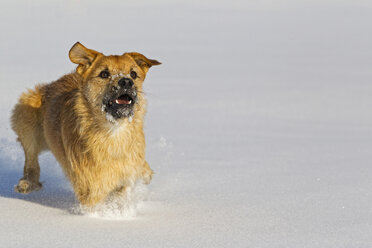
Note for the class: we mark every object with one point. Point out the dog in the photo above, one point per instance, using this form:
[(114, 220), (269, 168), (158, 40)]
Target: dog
[(92, 122)]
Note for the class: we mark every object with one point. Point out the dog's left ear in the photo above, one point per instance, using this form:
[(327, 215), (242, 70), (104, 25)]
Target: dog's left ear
[(82, 56), (142, 61)]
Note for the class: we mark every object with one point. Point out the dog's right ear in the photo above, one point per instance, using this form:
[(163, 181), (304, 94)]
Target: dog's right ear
[(82, 56)]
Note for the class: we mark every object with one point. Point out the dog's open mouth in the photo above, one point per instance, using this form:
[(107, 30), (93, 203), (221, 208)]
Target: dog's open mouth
[(119, 103), (124, 99)]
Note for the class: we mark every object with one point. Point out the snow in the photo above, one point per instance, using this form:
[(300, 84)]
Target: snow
[(258, 126), (117, 207)]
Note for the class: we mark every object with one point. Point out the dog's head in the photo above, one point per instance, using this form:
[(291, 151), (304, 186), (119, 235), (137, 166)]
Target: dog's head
[(112, 84)]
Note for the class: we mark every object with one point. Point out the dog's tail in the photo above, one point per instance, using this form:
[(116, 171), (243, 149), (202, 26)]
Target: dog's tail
[(32, 98), (26, 118)]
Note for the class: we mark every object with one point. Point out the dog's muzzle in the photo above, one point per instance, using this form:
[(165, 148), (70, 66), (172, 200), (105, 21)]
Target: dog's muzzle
[(120, 98)]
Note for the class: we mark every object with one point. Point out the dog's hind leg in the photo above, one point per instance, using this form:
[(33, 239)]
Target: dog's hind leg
[(31, 174), (26, 122)]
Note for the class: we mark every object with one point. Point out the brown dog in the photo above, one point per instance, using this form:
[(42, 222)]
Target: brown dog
[(92, 121)]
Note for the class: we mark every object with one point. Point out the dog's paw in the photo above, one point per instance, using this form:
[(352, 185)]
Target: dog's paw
[(147, 173), (146, 177), (25, 186)]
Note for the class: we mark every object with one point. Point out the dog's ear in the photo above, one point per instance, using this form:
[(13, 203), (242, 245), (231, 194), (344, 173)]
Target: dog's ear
[(142, 61), (82, 56)]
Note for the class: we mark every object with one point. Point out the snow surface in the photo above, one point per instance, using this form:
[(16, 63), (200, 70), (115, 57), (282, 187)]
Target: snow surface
[(258, 125)]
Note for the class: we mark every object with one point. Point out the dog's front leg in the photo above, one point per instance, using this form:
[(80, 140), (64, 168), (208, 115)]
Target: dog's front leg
[(147, 173), (89, 197)]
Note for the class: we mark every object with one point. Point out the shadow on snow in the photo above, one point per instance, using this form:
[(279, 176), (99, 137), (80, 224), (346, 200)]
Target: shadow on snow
[(55, 192)]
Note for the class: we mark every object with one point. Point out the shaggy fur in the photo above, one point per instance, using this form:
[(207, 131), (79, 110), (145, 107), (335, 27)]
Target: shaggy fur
[(99, 155)]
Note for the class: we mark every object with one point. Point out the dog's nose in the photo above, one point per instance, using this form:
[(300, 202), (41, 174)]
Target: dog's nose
[(125, 83)]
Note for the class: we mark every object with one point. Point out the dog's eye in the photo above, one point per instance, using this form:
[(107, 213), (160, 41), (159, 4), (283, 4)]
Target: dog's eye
[(133, 74), (104, 74)]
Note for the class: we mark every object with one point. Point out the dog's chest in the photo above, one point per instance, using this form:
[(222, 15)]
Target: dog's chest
[(120, 143)]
